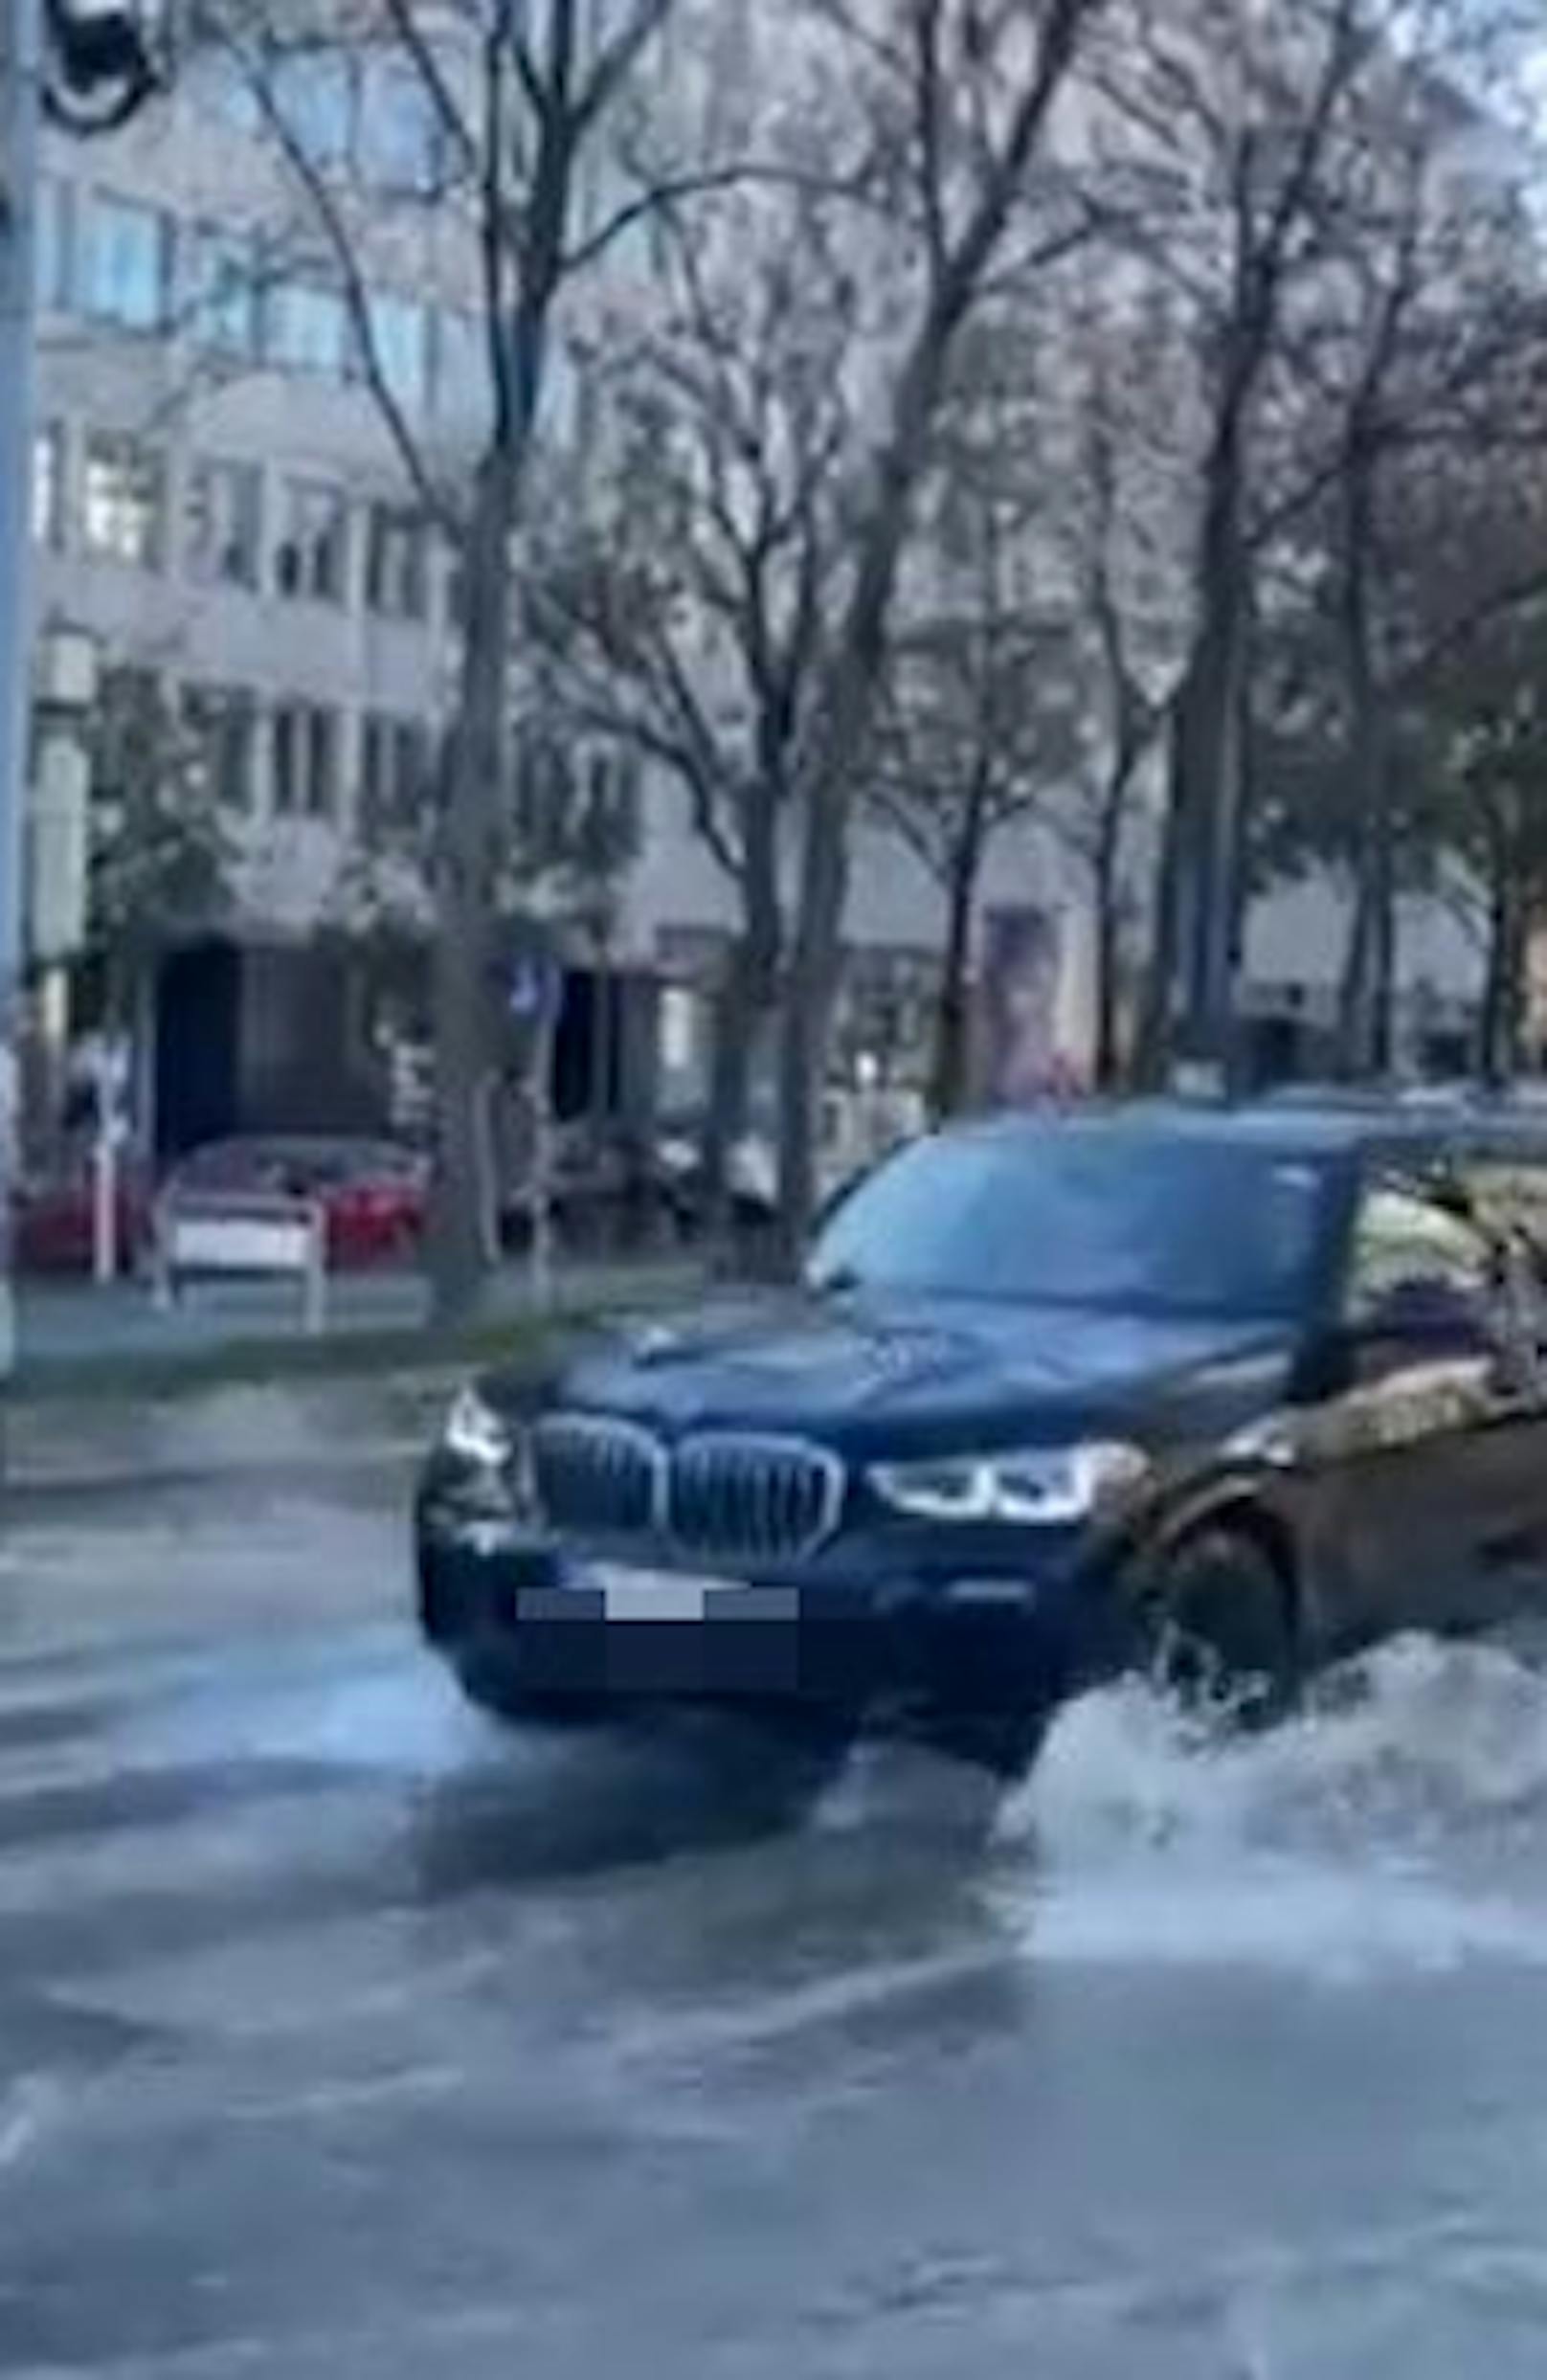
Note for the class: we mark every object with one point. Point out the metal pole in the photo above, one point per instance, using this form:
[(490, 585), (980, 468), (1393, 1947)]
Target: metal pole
[(106, 1118), (541, 1157), (20, 79)]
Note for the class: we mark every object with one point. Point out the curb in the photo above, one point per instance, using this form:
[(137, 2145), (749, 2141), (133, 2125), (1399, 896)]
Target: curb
[(253, 1360), (48, 1486)]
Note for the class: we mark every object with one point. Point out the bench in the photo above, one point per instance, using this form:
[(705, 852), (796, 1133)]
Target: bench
[(229, 1236)]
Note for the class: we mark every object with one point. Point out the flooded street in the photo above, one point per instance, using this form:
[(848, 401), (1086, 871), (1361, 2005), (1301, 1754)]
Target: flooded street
[(345, 2035)]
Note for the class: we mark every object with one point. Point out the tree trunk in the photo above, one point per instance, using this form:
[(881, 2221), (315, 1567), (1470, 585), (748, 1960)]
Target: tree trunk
[(811, 987), (145, 1029), (948, 1068), (1105, 888), (1384, 962), (1492, 1016), (848, 708), (1158, 1003), (747, 996), (1205, 791), (948, 1061), (467, 863), (1366, 997), (847, 717), (1354, 974), (1504, 990)]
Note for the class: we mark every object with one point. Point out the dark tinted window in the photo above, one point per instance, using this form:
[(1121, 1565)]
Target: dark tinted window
[(222, 1164), (1510, 1195), (1085, 1215), (1406, 1238)]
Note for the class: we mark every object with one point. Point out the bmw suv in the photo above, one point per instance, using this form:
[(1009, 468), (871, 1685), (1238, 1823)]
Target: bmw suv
[(1222, 1394)]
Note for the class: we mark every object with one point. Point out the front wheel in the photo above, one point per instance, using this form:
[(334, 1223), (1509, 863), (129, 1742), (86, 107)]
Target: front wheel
[(1216, 1629)]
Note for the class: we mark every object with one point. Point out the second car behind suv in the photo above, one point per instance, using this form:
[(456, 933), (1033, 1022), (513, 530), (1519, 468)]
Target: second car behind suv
[(1224, 1393)]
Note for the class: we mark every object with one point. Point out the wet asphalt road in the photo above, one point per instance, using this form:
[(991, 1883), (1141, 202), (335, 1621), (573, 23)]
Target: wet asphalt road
[(344, 2036)]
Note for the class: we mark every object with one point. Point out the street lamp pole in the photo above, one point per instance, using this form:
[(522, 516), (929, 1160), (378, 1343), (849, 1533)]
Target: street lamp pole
[(20, 108)]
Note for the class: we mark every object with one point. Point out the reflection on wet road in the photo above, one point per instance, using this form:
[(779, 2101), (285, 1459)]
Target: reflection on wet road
[(343, 2035)]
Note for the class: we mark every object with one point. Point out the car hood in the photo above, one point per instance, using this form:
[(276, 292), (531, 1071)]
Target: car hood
[(881, 1371)]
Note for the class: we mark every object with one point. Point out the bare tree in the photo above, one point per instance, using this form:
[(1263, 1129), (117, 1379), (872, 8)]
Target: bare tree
[(1440, 337), (163, 855), (1414, 396), (964, 97), (687, 603), (1286, 186), (979, 726), (1117, 469), (1456, 690), (531, 102), (1224, 123)]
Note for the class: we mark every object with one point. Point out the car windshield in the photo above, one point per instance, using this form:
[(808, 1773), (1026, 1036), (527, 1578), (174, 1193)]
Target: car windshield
[(1084, 1217)]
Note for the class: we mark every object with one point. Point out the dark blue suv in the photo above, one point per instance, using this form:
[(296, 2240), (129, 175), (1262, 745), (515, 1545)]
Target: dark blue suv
[(1221, 1393)]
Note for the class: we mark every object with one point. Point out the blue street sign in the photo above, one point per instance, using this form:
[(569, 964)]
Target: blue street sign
[(534, 990)]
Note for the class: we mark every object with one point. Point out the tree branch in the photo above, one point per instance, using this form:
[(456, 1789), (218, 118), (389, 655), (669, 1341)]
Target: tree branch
[(615, 62), (410, 32), (325, 205), (930, 106)]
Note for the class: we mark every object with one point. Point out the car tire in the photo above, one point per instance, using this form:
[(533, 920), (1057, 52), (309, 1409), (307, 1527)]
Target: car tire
[(1216, 1629)]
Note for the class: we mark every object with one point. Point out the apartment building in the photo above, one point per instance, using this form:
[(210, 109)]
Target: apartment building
[(217, 502)]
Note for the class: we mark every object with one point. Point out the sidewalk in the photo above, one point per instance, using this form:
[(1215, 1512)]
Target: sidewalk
[(67, 1331)]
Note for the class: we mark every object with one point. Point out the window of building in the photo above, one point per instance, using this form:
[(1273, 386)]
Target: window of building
[(225, 523), (48, 486), (131, 714), (400, 337), (125, 258), (223, 721), (225, 317), (398, 554), (400, 144), (543, 788), (53, 264), (306, 760), (609, 817), (124, 498), (307, 329), (395, 772), (223, 89), (462, 396), (311, 562), (1406, 1238), (314, 94)]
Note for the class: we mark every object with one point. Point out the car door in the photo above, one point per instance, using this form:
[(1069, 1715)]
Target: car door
[(1411, 1450)]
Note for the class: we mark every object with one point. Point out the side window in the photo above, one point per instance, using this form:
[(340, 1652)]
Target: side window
[(1406, 1238), (1510, 1200)]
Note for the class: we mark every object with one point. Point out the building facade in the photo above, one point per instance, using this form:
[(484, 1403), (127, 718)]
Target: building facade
[(217, 502)]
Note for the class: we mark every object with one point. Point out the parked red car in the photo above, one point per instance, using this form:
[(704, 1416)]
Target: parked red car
[(52, 1223), (374, 1193)]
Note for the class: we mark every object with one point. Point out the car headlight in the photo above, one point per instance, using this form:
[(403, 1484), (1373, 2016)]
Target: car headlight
[(475, 1433), (1032, 1486)]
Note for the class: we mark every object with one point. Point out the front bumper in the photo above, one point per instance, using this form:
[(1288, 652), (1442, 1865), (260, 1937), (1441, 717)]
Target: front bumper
[(527, 1625)]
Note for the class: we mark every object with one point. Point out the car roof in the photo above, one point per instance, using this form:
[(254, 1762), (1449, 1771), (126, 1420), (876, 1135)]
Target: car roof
[(1335, 1127), (301, 1145)]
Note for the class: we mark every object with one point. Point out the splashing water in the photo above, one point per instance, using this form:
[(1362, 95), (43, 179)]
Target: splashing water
[(1399, 1821), (374, 1709)]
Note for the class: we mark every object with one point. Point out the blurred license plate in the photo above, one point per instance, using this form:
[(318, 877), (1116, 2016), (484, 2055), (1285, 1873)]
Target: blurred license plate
[(629, 1594)]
